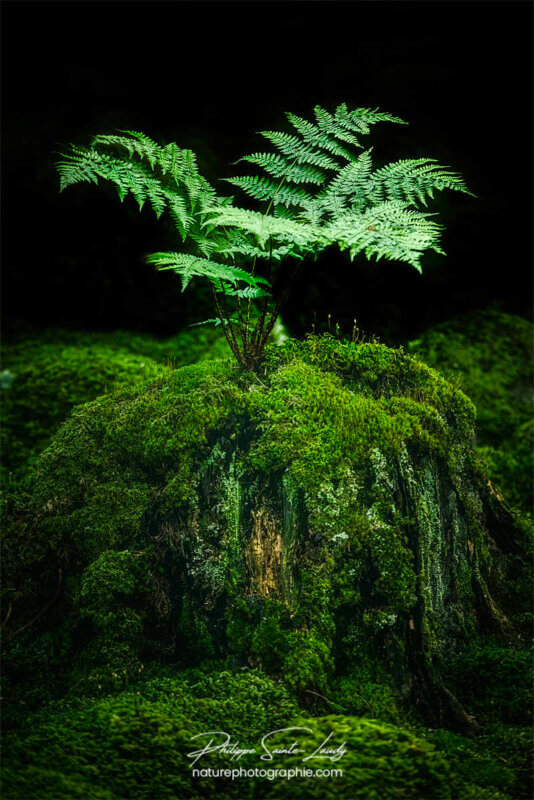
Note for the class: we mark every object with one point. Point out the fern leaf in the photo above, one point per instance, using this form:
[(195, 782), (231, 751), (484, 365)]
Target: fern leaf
[(215, 321), (261, 188), (188, 267), (351, 187), (360, 119), (413, 180), (297, 150), (328, 124), (248, 293), (263, 227), (322, 138), (390, 230), (279, 167)]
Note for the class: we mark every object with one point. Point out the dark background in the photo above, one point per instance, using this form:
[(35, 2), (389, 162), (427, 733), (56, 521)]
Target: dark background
[(209, 75)]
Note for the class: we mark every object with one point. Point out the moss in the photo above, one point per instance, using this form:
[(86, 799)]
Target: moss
[(45, 377), (511, 745), (102, 476), (313, 521), (308, 662), (186, 347), (48, 381), (489, 354), (135, 744), (365, 693), (475, 771), (380, 761)]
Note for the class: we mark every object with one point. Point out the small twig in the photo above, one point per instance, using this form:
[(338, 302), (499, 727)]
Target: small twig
[(325, 698), (8, 614), (337, 704)]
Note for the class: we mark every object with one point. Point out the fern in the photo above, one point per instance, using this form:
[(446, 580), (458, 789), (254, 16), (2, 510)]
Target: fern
[(166, 177), (263, 228), (319, 188), (188, 267), (279, 167), (390, 230), (261, 188)]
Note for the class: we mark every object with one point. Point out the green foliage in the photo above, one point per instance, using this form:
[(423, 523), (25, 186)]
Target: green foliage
[(136, 744), (188, 267), (361, 396), (308, 662), (366, 693), (51, 374), (381, 761), (490, 355), (167, 177), (475, 772), (48, 380), (511, 744), (376, 212), (94, 485)]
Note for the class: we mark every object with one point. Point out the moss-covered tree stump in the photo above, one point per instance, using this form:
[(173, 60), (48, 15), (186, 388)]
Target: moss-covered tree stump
[(326, 520)]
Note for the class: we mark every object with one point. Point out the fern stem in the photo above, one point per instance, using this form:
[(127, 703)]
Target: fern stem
[(227, 315), (231, 345)]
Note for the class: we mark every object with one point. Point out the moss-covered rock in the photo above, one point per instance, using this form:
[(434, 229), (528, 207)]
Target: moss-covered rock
[(490, 355), (327, 521), (45, 376)]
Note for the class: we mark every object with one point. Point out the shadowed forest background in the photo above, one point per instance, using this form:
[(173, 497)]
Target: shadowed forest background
[(209, 75)]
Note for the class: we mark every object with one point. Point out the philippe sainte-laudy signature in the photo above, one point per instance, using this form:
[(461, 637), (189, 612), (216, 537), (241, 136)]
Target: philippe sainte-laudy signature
[(221, 742)]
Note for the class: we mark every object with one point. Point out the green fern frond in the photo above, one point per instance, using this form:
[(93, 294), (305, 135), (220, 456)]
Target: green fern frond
[(180, 163), (413, 180), (130, 177), (352, 187), (390, 230), (167, 177), (331, 125), (135, 143), (248, 293), (263, 227), (323, 138), (360, 119), (216, 322), (261, 188), (312, 155), (375, 213), (236, 244), (189, 267), (298, 151), (279, 167)]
